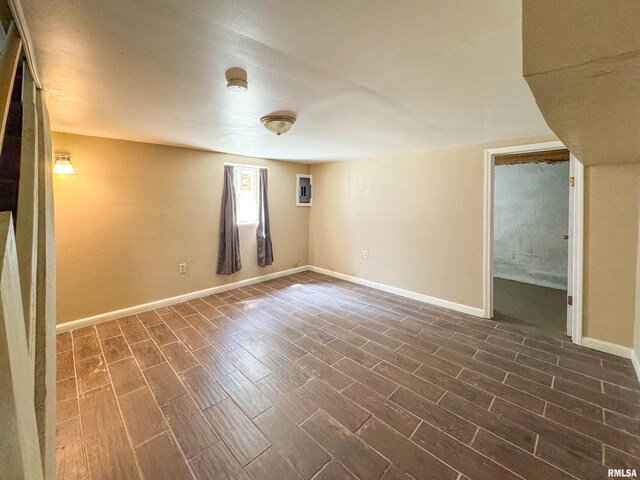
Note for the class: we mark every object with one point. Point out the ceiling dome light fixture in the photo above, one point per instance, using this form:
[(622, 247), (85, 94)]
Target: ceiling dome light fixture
[(278, 124), (236, 79), (237, 84)]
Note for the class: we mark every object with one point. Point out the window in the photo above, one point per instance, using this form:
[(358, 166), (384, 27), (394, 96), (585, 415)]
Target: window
[(246, 179)]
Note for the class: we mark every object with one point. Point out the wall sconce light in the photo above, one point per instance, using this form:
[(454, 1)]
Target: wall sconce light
[(63, 166)]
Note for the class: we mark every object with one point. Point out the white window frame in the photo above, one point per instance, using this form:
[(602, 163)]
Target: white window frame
[(236, 168)]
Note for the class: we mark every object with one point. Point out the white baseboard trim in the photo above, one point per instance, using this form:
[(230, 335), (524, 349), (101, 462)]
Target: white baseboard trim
[(588, 342), (613, 349), (478, 312), (636, 362), (103, 317), (607, 347)]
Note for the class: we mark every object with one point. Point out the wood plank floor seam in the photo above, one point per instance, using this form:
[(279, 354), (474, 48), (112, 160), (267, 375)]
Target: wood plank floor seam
[(124, 425), (342, 358)]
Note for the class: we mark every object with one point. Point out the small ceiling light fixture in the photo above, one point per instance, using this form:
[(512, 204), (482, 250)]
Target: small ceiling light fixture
[(237, 84), (63, 166), (237, 79), (278, 124)]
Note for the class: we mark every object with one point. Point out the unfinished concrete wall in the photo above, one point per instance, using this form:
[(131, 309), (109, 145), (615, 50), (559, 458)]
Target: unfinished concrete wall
[(531, 206)]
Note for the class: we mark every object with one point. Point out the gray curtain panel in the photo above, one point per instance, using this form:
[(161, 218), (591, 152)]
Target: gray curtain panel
[(229, 249), (263, 234)]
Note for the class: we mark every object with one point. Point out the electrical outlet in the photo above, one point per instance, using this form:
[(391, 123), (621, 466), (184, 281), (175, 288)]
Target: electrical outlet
[(365, 254), (183, 268)]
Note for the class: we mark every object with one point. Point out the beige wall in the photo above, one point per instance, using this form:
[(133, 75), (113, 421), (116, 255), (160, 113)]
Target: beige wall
[(559, 35), (420, 216), (612, 193), (587, 90), (134, 211), (585, 85), (636, 335)]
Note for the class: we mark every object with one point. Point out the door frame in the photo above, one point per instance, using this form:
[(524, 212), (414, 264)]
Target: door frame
[(576, 233)]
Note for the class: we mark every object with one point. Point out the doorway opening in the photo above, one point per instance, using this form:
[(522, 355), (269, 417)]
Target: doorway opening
[(533, 238)]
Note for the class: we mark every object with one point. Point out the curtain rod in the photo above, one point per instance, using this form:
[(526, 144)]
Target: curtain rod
[(244, 165)]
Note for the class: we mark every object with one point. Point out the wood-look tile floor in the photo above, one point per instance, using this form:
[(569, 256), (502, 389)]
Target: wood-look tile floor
[(314, 378)]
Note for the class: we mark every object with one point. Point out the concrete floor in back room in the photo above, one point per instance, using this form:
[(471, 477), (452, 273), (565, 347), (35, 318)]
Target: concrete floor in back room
[(527, 304)]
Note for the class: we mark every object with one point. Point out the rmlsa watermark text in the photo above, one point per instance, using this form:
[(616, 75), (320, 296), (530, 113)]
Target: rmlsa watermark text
[(622, 473)]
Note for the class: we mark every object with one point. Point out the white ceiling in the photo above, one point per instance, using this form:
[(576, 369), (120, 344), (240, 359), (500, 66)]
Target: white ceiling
[(365, 77)]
